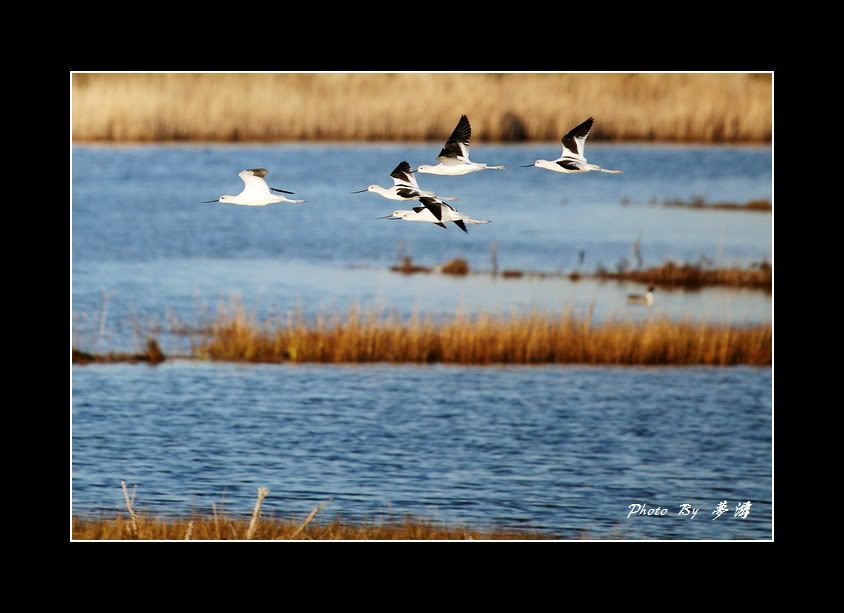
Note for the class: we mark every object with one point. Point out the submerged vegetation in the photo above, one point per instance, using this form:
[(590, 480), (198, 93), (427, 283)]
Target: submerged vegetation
[(535, 338), (368, 107)]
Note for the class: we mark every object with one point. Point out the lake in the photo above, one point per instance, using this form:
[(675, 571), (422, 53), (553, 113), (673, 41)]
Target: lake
[(560, 449)]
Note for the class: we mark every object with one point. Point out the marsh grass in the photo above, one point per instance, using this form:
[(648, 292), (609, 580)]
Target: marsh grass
[(223, 528), (152, 355), (755, 206), (534, 338), (419, 107), (692, 276), (256, 527), (407, 267)]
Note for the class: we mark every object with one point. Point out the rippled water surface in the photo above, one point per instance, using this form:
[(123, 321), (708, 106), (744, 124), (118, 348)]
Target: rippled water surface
[(559, 449)]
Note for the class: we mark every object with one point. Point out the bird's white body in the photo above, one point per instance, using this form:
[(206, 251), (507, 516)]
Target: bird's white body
[(391, 193), (454, 157), (647, 299), (256, 192), (256, 200), (572, 160), (428, 216), (455, 170), (423, 215), (571, 168)]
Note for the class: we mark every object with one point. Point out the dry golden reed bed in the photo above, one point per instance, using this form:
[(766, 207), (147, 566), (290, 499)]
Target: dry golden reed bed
[(416, 107), (536, 338), (203, 528)]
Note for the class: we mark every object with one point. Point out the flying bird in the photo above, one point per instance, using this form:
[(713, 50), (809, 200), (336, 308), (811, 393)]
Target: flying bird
[(454, 157), (434, 210), (255, 192), (572, 159), (404, 186)]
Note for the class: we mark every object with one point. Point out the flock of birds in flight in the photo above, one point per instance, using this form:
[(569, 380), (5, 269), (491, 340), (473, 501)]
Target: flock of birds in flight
[(453, 161)]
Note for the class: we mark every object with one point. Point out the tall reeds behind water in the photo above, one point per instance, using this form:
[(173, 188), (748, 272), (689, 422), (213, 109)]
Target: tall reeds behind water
[(416, 107), (534, 338)]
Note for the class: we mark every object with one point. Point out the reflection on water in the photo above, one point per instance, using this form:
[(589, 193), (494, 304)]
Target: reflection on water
[(562, 449)]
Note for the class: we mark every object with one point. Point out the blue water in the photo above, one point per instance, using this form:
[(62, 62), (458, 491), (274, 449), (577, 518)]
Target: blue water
[(146, 251), (564, 450)]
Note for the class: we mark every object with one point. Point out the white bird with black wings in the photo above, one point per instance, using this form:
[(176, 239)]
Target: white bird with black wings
[(255, 192), (435, 211), (454, 157), (572, 159), (404, 186)]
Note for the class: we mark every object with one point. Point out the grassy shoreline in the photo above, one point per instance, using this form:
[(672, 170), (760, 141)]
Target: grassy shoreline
[(419, 107), (140, 526), (224, 528)]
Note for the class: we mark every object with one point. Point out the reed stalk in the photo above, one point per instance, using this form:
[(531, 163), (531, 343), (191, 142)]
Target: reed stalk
[(129, 507), (253, 525)]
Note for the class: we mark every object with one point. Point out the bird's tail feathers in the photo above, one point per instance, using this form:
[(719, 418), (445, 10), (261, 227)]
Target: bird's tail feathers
[(475, 221)]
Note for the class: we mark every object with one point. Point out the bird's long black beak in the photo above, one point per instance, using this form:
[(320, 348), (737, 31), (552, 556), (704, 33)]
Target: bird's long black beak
[(210, 201), (387, 217), (275, 189), (526, 166), (360, 191)]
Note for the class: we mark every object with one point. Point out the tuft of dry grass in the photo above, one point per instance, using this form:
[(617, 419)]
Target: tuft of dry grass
[(407, 267), (535, 338), (222, 528), (419, 107), (696, 276), (457, 266)]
